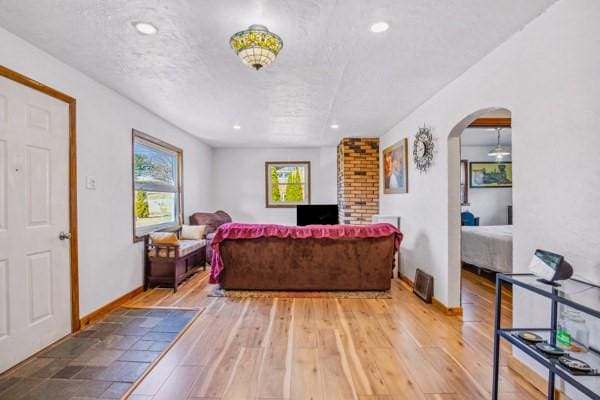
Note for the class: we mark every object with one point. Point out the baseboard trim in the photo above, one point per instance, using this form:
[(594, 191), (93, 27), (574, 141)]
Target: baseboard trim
[(105, 309), (406, 280), (538, 381), (451, 311)]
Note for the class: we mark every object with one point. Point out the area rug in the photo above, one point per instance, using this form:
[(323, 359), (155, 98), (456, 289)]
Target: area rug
[(102, 361), (218, 292)]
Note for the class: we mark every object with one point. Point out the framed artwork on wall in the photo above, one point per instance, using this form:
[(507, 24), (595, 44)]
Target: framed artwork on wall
[(490, 174), (287, 183), (395, 168)]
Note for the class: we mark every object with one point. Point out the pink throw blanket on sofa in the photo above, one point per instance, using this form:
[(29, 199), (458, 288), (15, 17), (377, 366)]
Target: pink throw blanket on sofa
[(252, 231)]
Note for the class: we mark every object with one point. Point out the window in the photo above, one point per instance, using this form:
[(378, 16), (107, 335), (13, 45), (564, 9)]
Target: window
[(287, 183), (157, 199)]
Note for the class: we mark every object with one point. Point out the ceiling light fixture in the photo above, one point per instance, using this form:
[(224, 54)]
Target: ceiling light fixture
[(379, 27), (334, 126), (499, 151), (237, 127), (256, 46), (145, 28)]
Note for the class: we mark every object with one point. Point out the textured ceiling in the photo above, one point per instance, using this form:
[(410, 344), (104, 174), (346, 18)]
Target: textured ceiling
[(331, 69)]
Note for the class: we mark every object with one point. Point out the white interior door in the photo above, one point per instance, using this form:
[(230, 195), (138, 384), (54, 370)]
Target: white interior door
[(35, 306)]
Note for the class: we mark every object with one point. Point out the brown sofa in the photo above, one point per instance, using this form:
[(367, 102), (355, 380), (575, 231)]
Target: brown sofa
[(212, 222), (271, 263)]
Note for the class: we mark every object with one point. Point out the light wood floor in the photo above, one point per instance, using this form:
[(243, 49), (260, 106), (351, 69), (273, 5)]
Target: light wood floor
[(366, 349)]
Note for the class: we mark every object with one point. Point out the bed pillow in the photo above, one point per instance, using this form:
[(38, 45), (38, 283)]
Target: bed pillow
[(164, 238), (193, 232)]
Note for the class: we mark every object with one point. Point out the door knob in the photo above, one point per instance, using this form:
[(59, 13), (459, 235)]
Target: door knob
[(64, 235)]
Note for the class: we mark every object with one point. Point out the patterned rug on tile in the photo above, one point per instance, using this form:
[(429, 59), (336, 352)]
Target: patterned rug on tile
[(100, 362)]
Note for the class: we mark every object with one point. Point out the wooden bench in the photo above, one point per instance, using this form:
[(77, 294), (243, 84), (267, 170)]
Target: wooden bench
[(170, 264)]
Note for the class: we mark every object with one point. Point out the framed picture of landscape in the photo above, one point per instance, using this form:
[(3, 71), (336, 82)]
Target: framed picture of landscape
[(490, 174), (395, 168), (287, 183)]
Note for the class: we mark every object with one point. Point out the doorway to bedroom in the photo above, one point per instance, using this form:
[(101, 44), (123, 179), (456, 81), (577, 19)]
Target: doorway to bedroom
[(486, 195), (480, 197)]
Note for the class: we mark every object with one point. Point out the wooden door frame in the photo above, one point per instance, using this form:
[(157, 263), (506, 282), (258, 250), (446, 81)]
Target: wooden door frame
[(504, 122), (40, 87)]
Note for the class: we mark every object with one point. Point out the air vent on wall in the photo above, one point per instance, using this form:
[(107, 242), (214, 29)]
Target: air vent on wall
[(423, 286)]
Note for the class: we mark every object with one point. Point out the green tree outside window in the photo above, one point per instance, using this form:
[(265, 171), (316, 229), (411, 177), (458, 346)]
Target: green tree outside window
[(275, 193), (142, 210), (295, 190)]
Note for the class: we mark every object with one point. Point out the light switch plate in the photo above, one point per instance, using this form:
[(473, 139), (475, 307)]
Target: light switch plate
[(90, 183)]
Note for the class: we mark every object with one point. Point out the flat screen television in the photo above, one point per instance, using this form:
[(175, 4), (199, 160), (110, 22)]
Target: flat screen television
[(317, 214)]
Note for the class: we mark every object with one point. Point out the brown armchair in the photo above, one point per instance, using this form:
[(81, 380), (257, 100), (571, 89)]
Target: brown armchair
[(212, 222)]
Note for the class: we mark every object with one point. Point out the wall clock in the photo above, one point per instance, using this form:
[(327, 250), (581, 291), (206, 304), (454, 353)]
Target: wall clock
[(423, 149)]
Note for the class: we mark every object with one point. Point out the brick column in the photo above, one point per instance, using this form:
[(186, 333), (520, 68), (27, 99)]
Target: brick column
[(358, 180)]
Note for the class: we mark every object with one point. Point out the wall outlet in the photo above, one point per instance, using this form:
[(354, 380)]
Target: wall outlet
[(90, 183)]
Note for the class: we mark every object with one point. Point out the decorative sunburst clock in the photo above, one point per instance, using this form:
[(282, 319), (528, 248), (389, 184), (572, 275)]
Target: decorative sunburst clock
[(423, 149)]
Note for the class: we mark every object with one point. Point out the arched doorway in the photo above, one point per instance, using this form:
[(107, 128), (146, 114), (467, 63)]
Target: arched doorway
[(454, 198)]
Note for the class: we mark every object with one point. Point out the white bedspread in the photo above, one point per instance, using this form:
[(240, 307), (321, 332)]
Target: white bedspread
[(488, 247)]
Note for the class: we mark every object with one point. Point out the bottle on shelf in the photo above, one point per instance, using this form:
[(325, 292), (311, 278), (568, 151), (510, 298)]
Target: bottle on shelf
[(563, 337), (579, 332)]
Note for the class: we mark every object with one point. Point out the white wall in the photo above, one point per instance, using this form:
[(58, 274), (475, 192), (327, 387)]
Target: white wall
[(239, 181), (110, 264), (489, 204), (547, 76)]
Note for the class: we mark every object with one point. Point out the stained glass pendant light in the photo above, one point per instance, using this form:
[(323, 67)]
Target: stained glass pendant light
[(256, 46), (499, 151)]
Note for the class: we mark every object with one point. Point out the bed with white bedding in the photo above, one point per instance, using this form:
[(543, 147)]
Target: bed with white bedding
[(488, 247)]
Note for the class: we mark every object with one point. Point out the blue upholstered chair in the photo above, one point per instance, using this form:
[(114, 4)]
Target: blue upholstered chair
[(468, 219)]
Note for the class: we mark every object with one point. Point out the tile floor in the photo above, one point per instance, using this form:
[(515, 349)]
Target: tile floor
[(100, 362)]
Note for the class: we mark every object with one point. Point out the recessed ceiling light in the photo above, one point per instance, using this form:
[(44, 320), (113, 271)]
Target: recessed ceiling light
[(145, 28), (237, 127), (379, 27), (334, 126)]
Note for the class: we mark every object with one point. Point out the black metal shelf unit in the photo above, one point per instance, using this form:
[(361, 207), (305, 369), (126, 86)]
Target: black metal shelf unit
[(572, 293)]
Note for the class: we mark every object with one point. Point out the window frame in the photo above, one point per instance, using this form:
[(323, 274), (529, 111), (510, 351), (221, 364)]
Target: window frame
[(307, 183), (141, 137)]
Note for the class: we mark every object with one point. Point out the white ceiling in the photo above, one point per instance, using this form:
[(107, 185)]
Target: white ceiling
[(485, 137), (331, 68)]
